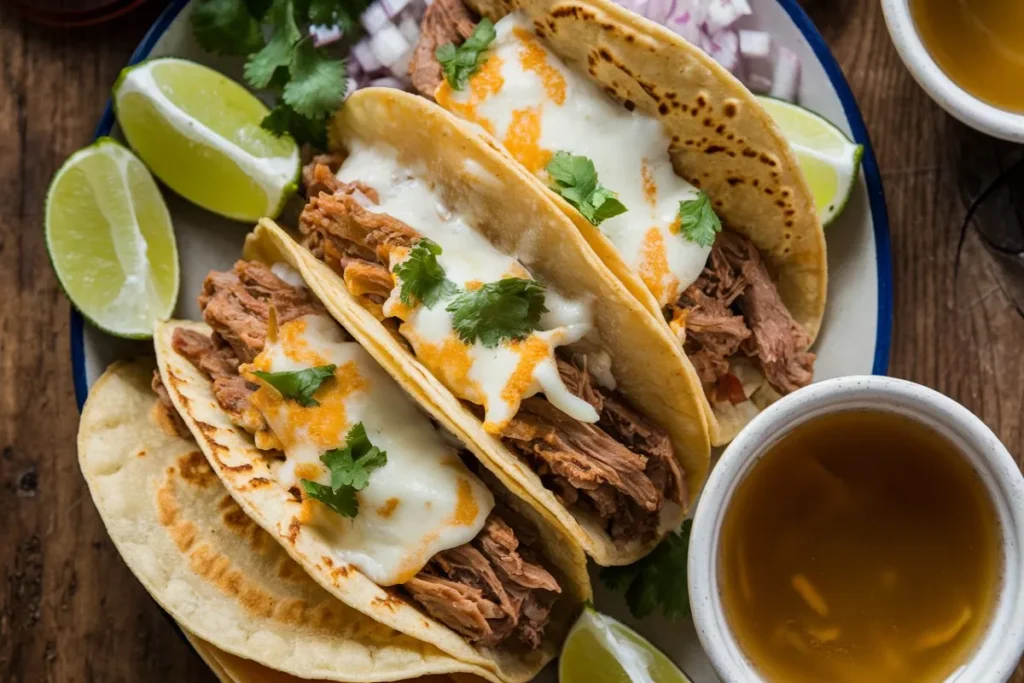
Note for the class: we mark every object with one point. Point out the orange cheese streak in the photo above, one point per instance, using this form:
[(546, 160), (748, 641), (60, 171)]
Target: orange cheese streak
[(523, 139), (466, 509), (388, 508), (532, 58), (449, 361), (650, 187), (654, 270), (532, 351), (486, 82)]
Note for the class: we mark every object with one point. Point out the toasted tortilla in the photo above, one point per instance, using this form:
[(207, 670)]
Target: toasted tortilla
[(723, 142), (222, 577), (519, 217), (244, 471)]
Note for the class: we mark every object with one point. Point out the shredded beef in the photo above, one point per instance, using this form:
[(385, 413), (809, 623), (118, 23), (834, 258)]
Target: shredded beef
[(445, 21), (364, 277), (361, 233), (734, 307), (318, 174), (487, 590), (165, 405)]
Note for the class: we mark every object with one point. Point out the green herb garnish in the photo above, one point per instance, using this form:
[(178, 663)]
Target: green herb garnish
[(697, 220), (298, 385), (350, 469), (506, 309), (423, 278), (459, 63), (658, 580), (309, 82), (575, 178)]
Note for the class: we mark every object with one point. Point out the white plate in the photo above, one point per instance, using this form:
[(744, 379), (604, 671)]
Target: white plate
[(854, 339)]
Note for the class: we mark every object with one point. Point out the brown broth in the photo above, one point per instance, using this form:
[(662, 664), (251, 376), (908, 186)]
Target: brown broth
[(979, 44), (863, 547)]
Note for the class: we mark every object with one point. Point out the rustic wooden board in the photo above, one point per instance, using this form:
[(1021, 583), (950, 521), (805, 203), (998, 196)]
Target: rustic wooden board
[(70, 609)]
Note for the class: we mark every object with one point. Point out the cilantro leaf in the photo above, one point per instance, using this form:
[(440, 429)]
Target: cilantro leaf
[(506, 309), (575, 178), (283, 120), (262, 67), (318, 83), (298, 385), (697, 220), (225, 27), (656, 581), (343, 500), (423, 278), (352, 465), (459, 63)]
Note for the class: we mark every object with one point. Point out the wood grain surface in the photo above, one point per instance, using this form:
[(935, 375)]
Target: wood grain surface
[(69, 608)]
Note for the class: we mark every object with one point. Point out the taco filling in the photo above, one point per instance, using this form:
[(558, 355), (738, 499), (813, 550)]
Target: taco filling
[(612, 163), (377, 480), (521, 356)]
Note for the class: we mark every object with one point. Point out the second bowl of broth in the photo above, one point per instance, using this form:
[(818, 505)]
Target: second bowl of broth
[(862, 546)]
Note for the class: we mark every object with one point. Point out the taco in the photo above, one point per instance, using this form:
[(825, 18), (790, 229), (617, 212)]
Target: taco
[(428, 244), (223, 578), (669, 167), (338, 461)]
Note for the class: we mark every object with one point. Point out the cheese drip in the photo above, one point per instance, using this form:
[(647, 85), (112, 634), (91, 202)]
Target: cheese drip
[(497, 378), (536, 105), (423, 501)]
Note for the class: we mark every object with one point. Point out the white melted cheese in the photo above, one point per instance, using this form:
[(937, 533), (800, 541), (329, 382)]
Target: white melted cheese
[(422, 501), (535, 105), (496, 378)]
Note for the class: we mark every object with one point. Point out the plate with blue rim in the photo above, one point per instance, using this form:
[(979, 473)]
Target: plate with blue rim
[(854, 339)]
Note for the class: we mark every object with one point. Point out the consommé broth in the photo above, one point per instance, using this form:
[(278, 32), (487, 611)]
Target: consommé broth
[(863, 547)]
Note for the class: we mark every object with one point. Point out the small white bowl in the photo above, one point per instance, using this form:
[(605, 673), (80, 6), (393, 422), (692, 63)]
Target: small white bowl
[(958, 102), (996, 656)]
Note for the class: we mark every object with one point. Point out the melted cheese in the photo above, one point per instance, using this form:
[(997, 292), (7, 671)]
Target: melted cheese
[(496, 378), (423, 501), (536, 105)]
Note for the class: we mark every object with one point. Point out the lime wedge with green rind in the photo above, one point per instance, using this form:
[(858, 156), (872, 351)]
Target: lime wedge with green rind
[(599, 649), (199, 132), (827, 156), (110, 240)]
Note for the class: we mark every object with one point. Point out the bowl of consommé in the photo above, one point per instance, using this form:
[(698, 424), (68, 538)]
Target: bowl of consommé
[(968, 55), (863, 529)]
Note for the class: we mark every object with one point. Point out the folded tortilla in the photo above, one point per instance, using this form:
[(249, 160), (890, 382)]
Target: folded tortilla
[(503, 214), (223, 578), (715, 135)]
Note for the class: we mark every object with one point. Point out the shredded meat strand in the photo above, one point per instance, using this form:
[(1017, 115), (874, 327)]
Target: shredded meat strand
[(445, 21), (341, 216)]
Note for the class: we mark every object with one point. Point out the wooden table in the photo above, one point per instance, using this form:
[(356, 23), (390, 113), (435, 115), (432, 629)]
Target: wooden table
[(69, 608)]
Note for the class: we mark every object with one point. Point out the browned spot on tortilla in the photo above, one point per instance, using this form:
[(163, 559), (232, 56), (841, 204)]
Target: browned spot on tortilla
[(729, 109), (769, 190), (695, 182), (630, 38), (630, 105), (663, 109), (701, 101), (708, 122), (195, 470), (296, 493), (789, 224), (293, 530), (390, 602), (789, 212), (780, 203), (650, 89), (765, 159), (751, 153), (734, 181), (328, 562), (341, 571), (258, 483), (713, 149), (603, 53), (608, 27), (756, 182), (720, 129), (141, 453)]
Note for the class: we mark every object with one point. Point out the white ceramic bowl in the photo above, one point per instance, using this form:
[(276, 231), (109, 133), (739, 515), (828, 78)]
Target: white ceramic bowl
[(1003, 643), (958, 102)]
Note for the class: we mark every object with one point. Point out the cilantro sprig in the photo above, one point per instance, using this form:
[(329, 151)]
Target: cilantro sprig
[(459, 63), (575, 178), (423, 278), (506, 309), (698, 222), (350, 469), (298, 385), (658, 580), (308, 82)]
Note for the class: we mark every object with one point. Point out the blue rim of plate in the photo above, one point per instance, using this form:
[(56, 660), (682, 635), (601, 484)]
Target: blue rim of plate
[(876, 197)]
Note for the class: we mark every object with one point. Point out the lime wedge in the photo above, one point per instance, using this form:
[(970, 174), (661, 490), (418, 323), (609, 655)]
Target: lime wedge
[(199, 132), (828, 158), (110, 240), (601, 650)]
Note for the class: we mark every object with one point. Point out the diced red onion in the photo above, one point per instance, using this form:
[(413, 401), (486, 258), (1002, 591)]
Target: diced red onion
[(351, 85), (722, 14), (363, 55), (755, 44), (723, 47), (758, 83), (410, 29), (659, 10), (374, 19), (400, 69), (388, 82), (389, 45), (786, 77), (393, 7), (324, 35)]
